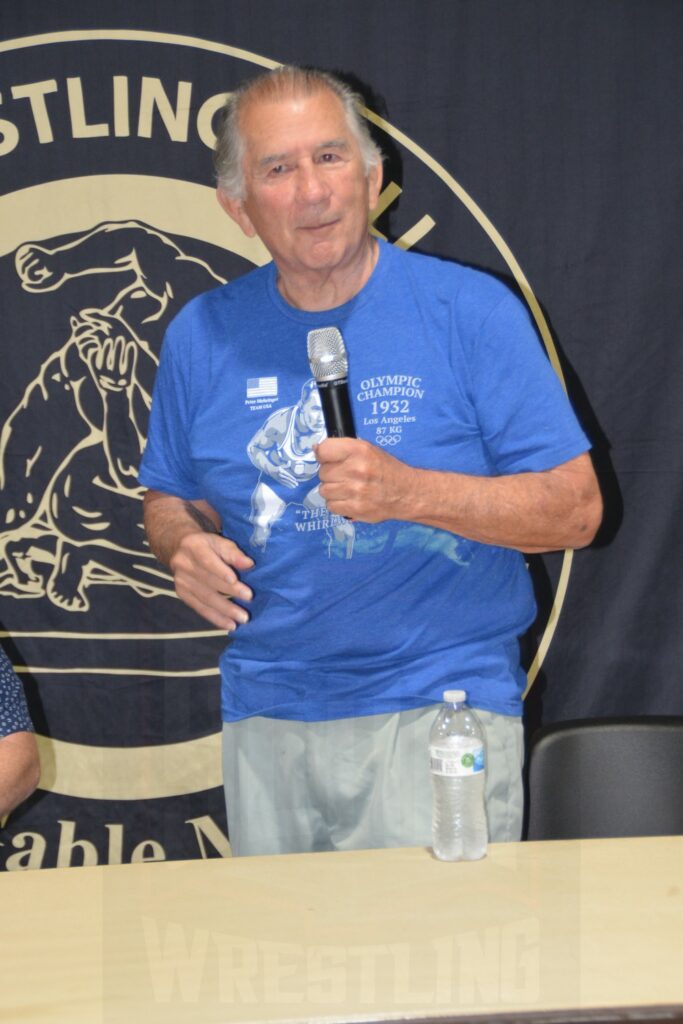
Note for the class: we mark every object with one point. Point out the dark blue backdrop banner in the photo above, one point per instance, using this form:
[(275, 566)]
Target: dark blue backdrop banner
[(533, 140)]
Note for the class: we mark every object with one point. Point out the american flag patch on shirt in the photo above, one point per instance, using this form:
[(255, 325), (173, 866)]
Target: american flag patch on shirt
[(262, 387)]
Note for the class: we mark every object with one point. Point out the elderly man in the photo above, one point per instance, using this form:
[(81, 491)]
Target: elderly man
[(19, 764), (341, 652)]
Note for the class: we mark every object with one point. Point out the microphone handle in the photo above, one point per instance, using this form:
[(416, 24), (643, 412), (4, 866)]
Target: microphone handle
[(334, 399)]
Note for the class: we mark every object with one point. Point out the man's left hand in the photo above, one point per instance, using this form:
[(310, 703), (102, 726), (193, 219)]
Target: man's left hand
[(360, 481)]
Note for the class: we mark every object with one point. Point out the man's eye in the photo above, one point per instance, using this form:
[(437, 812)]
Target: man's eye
[(276, 170), (329, 158)]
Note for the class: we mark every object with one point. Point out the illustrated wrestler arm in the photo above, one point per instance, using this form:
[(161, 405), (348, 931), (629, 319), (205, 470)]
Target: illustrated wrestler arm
[(151, 261), (264, 449)]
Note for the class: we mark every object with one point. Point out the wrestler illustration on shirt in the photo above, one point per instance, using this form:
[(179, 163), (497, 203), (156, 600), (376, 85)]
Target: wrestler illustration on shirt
[(70, 505), (282, 450)]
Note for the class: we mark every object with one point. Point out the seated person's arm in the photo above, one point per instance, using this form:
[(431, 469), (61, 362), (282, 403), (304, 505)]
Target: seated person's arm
[(19, 769), (19, 763)]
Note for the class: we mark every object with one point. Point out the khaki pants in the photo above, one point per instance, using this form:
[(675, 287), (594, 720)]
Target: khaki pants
[(353, 783)]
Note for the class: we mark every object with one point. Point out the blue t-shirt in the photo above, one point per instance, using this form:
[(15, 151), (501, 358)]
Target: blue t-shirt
[(14, 715), (445, 372)]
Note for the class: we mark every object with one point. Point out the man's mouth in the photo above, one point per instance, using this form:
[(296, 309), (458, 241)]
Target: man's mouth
[(318, 227)]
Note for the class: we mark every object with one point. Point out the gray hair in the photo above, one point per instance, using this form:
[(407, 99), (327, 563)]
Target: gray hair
[(285, 82)]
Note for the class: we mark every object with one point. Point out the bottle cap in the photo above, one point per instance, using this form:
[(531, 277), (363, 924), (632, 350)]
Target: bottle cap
[(454, 696)]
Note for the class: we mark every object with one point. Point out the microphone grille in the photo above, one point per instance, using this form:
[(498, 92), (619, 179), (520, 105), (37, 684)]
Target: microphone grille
[(327, 354)]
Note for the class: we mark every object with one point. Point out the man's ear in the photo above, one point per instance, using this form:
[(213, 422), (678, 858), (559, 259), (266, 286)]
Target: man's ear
[(375, 178), (235, 209)]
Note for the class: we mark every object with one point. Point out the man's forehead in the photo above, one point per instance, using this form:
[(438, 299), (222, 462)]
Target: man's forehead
[(319, 115)]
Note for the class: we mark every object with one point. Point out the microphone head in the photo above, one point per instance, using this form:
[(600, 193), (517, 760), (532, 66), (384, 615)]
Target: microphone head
[(327, 354)]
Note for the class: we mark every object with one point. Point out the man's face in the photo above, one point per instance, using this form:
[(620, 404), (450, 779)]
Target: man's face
[(307, 193)]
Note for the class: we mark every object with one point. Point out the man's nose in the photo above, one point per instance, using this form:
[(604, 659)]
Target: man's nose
[(311, 184)]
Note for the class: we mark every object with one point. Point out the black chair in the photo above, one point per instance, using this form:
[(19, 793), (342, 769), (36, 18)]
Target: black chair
[(606, 777)]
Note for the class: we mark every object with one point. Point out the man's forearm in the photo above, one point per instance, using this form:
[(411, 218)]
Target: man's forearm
[(168, 519), (206, 567), (532, 512)]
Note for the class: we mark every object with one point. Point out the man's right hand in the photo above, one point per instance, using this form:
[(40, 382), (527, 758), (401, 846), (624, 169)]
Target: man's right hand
[(205, 565), (205, 570)]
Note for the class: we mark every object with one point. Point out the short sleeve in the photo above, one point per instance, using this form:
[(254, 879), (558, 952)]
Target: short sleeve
[(14, 716), (166, 463), (526, 419)]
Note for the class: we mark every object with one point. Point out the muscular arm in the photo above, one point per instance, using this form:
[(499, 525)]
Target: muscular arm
[(532, 512), (19, 769), (185, 536), (263, 448)]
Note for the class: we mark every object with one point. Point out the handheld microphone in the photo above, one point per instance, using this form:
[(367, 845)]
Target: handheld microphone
[(330, 367)]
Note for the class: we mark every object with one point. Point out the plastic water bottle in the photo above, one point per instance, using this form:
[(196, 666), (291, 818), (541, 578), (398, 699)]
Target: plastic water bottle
[(457, 760)]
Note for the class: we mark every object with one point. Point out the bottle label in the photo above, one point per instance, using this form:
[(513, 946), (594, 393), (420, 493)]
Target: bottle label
[(467, 758)]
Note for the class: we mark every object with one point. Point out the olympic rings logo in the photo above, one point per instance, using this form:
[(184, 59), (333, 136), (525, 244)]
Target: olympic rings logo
[(385, 439)]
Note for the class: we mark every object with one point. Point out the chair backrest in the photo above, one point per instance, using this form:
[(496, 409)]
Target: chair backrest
[(607, 777)]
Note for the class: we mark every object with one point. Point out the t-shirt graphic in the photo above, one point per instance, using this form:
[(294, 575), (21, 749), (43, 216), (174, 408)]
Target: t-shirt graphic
[(282, 451)]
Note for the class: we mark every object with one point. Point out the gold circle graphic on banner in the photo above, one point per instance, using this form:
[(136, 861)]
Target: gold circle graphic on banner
[(188, 209)]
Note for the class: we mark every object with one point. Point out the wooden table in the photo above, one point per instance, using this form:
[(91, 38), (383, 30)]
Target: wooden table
[(534, 929)]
